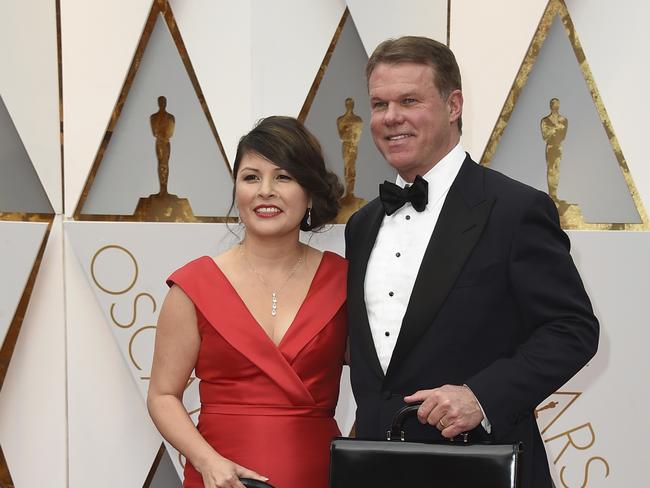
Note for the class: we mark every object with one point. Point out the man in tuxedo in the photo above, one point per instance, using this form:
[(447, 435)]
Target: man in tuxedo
[(462, 293)]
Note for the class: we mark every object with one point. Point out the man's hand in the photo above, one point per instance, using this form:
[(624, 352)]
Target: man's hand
[(452, 409)]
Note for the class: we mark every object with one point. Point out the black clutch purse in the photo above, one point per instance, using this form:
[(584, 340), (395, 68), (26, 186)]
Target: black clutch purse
[(251, 483), (395, 462)]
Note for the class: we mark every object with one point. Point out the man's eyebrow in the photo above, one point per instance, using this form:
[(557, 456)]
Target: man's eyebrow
[(408, 95)]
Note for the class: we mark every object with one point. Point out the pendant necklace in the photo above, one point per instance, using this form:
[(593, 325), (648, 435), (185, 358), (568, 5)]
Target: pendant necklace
[(274, 293)]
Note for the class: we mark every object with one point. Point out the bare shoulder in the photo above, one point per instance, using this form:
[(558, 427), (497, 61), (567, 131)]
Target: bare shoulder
[(176, 296), (177, 309)]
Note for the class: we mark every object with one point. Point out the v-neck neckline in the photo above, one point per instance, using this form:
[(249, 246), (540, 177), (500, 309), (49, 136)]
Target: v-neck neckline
[(261, 329)]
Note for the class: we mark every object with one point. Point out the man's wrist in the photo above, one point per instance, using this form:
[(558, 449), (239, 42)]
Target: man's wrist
[(485, 423)]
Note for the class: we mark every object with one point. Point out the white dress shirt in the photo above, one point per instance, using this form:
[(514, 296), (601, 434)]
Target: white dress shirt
[(399, 248)]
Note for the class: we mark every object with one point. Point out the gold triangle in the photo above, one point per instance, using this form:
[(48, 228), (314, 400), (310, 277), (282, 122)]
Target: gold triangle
[(558, 8), (26, 217), (5, 476), (162, 8)]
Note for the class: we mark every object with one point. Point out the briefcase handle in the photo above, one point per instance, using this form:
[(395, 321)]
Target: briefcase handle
[(397, 431)]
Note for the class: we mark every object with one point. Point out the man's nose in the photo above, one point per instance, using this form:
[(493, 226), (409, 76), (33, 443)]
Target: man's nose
[(393, 114)]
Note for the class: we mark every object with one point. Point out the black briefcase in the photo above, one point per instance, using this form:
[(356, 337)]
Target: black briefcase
[(356, 463)]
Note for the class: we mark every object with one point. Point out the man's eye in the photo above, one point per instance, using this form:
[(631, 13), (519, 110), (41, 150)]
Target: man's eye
[(409, 101), (378, 105)]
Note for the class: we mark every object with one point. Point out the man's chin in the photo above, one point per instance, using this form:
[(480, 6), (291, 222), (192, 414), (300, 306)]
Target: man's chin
[(400, 162)]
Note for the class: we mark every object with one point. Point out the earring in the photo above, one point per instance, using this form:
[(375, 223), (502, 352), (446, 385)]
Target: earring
[(308, 216)]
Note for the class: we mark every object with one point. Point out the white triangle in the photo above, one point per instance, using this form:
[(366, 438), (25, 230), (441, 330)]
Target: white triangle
[(218, 43), (39, 358), (107, 424), (378, 21), (98, 42), (29, 86), (302, 32), (499, 31)]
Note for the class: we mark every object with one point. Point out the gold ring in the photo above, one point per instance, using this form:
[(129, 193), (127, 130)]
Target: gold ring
[(444, 426)]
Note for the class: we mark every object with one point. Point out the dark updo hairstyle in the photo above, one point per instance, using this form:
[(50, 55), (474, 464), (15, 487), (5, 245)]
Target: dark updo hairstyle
[(286, 142)]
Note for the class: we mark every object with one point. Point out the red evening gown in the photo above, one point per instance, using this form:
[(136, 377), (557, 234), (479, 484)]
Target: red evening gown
[(266, 407)]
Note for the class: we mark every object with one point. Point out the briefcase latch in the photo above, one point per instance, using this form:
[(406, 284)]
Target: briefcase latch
[(464, 436), (389, 435)]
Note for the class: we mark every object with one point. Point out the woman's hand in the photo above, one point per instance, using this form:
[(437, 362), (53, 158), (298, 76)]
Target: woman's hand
[(223, 473)]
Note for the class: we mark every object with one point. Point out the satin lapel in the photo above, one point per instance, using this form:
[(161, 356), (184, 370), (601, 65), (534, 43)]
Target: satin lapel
[(325, 298), (364, 240), (459, 227), (227, 313)]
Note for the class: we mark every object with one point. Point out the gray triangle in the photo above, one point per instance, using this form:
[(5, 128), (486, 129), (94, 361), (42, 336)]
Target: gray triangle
[(19, 246), (165, 475), (20, 187), (590, 174), (345, 77), (128, 170)]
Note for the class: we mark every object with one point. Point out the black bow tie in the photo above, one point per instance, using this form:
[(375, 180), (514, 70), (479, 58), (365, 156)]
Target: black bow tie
[(394, 197)]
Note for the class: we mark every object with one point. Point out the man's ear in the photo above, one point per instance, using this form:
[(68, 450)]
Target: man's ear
[(455, 105)]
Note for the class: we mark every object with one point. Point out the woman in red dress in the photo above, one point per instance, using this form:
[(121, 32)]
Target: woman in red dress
[(263, 326)]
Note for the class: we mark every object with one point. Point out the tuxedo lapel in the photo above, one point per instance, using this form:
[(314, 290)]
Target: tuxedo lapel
[(459, 227), (364, 241)]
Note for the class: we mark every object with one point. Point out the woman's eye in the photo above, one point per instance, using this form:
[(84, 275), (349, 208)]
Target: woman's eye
[(284, 177), (250, 177)]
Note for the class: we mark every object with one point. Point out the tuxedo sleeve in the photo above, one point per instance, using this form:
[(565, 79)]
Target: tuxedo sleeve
[(560, 331)]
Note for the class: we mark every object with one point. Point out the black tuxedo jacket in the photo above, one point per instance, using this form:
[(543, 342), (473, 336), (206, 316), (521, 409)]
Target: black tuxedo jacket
[(497, 304)]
